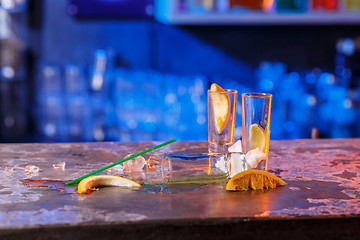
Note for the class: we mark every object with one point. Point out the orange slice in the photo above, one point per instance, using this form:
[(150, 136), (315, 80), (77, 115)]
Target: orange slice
[(90, 184), (254, 180), (221, 106)]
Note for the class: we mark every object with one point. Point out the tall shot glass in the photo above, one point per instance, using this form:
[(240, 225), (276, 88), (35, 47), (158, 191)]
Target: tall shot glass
[(220, 138), (256, 113), (167, 169)]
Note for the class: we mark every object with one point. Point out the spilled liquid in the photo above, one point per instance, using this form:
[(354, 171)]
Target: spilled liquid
[(57, 185), (177, 185)]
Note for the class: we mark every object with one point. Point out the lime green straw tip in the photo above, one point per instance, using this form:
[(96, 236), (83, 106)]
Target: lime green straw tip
[(121, 161)]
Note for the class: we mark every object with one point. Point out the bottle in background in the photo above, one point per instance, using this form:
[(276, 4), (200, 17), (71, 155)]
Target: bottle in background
[(352, 5)]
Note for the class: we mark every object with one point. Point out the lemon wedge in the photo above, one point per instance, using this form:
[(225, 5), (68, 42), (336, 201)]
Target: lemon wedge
[(257, 137), (254, 180), (90, 184), (221, 106)]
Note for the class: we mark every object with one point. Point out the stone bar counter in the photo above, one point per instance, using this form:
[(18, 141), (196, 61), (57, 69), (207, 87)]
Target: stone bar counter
[(322, 198)]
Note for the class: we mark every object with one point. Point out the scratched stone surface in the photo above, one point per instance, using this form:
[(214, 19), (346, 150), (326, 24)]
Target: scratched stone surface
[(322, 175)]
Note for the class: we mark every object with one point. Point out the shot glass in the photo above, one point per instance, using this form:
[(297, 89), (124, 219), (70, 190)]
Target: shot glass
[(219, 139), (198, 168), (256, 112), (176, 169)]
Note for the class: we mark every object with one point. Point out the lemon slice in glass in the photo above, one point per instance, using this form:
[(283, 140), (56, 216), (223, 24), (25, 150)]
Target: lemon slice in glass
[(90, 184), (221, 106), (254, 180), (257, 137)]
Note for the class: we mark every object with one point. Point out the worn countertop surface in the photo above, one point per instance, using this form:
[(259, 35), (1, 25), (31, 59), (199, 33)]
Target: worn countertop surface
[(322, 197)]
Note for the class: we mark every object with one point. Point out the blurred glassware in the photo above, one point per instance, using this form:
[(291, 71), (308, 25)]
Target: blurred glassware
[(325, 4), (13, 87), (284, 6), (248, 4)]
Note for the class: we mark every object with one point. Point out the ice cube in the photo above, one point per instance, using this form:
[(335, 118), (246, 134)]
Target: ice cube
[(135, 164), (253, 157), (237, 163), (236, 147), (8, 169), (154, 161), (31, 169), (221, 164), (59, 165), (118, 169)]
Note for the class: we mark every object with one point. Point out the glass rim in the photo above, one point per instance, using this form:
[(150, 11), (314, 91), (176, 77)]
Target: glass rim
[(227, 90), (257, 95)]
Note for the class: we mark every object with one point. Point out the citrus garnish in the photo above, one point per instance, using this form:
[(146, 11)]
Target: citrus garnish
[(253, 180), (90, 184), (257, 137), (221, 106)]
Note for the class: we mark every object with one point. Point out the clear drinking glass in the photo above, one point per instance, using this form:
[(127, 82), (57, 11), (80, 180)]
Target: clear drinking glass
[(198, 168), (176, 169), (220, 141), (256, 112)]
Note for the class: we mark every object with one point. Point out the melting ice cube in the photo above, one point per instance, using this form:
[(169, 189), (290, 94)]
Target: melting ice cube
[(154, 161), (8, 169), (236, 147), (253, 157), (118, 169), (237, 163), (222, 164), (135, 164), (59, 165), (31, 169)]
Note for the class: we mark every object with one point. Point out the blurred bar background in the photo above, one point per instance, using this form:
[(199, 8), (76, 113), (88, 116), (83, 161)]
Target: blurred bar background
[(122, 70)]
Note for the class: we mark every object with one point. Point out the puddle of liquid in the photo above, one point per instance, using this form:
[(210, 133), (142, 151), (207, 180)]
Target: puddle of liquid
[(57, 185), (317, 190), (347, 175), (277, 171), (170, 188)]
